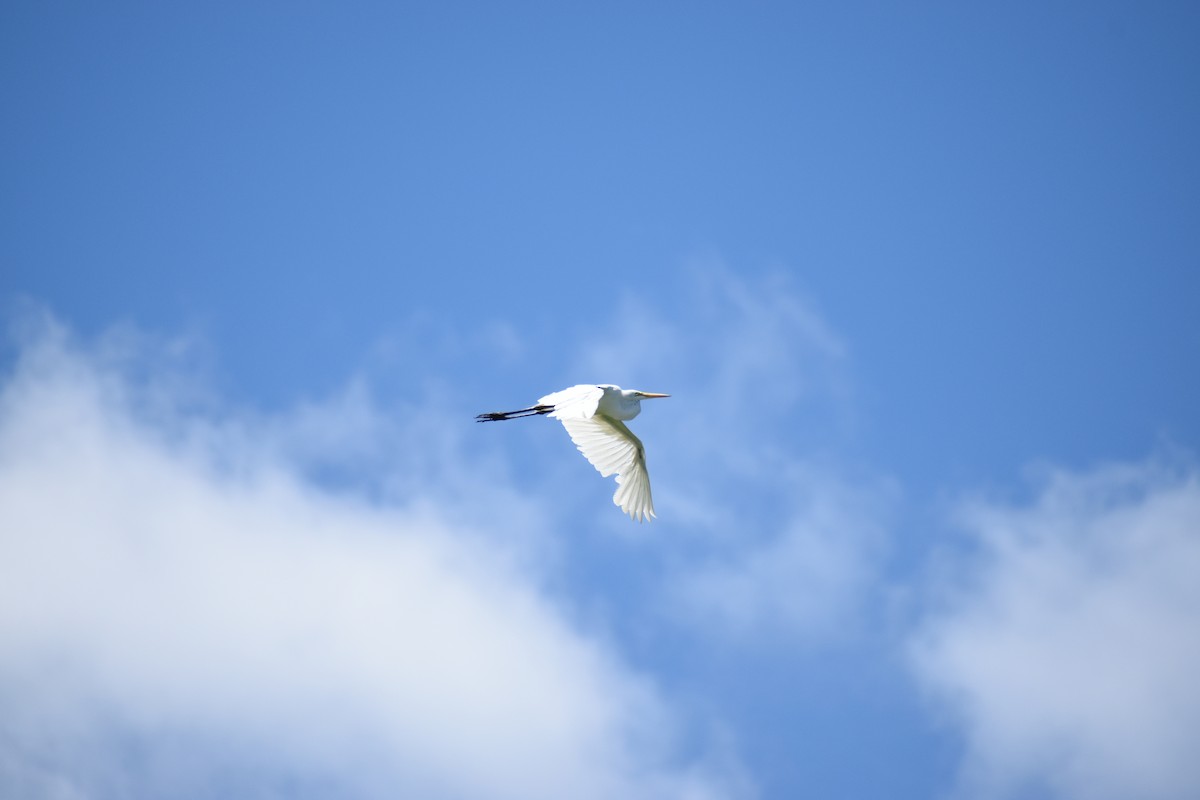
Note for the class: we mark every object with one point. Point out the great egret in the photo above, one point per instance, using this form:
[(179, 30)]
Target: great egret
[(594, 417)]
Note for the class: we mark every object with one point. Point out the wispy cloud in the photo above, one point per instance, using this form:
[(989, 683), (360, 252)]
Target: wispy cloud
[(185, 610), (809, 577), (757, 346), (771, 534), (1067, 644)]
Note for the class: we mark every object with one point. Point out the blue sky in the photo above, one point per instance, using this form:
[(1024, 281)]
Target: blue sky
[(923, 284)]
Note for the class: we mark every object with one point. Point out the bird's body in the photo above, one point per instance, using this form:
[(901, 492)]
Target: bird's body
[(594, 416)]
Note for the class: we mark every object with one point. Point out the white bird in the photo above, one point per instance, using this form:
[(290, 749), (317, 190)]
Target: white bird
[(594, 417)]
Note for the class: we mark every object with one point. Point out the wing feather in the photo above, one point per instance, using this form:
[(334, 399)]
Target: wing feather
[(613, 450), (579, 401)]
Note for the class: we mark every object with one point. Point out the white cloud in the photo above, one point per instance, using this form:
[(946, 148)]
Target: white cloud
[(1068, 646), (184, 613)]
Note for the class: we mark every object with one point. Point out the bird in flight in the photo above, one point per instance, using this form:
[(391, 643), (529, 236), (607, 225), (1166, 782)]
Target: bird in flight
[(594, 416)]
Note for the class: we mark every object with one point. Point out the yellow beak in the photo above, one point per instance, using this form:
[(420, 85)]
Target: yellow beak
[(654, 394)]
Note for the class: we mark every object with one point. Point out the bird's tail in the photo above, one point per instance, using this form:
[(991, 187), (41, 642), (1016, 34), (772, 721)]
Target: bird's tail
[(496, 416)]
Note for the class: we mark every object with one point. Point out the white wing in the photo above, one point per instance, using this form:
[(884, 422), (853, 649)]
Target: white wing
[(579, 401), (612, 448)]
